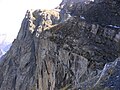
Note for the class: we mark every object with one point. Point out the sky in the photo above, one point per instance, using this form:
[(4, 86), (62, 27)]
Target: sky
[(12, 13)]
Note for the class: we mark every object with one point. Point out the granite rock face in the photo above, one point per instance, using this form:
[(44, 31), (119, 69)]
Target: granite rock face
[(103, 12), (58, 51)]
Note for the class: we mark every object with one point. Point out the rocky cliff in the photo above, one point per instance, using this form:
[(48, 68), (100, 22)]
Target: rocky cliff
[(57, 50)]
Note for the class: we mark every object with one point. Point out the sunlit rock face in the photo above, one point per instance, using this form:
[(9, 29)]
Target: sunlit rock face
[(58, 51)]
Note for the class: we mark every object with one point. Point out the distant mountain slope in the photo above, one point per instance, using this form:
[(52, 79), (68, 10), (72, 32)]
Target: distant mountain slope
[(2, 53), (4, 44)]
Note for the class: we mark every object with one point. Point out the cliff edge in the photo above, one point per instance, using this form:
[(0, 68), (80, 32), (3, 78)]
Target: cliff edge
[(61, 50)]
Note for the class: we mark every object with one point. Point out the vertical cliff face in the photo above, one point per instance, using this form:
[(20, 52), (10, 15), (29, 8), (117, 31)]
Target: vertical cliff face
[(15, 69), (18, 66), (74, 55), (55, 51)]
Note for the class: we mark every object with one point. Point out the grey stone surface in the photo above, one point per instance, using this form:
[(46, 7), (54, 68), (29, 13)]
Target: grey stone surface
[(54, 52)]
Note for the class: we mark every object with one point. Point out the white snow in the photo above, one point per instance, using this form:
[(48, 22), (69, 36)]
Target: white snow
[(114, 26), (2, 53), (81, 17)]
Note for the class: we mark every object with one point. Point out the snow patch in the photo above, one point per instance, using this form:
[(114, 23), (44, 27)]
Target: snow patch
[(112, 26), (81, 17)]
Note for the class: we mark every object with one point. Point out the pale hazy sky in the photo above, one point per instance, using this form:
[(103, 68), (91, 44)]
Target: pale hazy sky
[(12, 13)]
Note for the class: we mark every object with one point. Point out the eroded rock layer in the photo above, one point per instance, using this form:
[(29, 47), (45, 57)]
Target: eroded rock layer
[(56, 50)]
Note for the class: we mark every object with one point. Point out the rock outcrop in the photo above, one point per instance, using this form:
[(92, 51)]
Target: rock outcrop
[(103, 12), (55, 50)]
